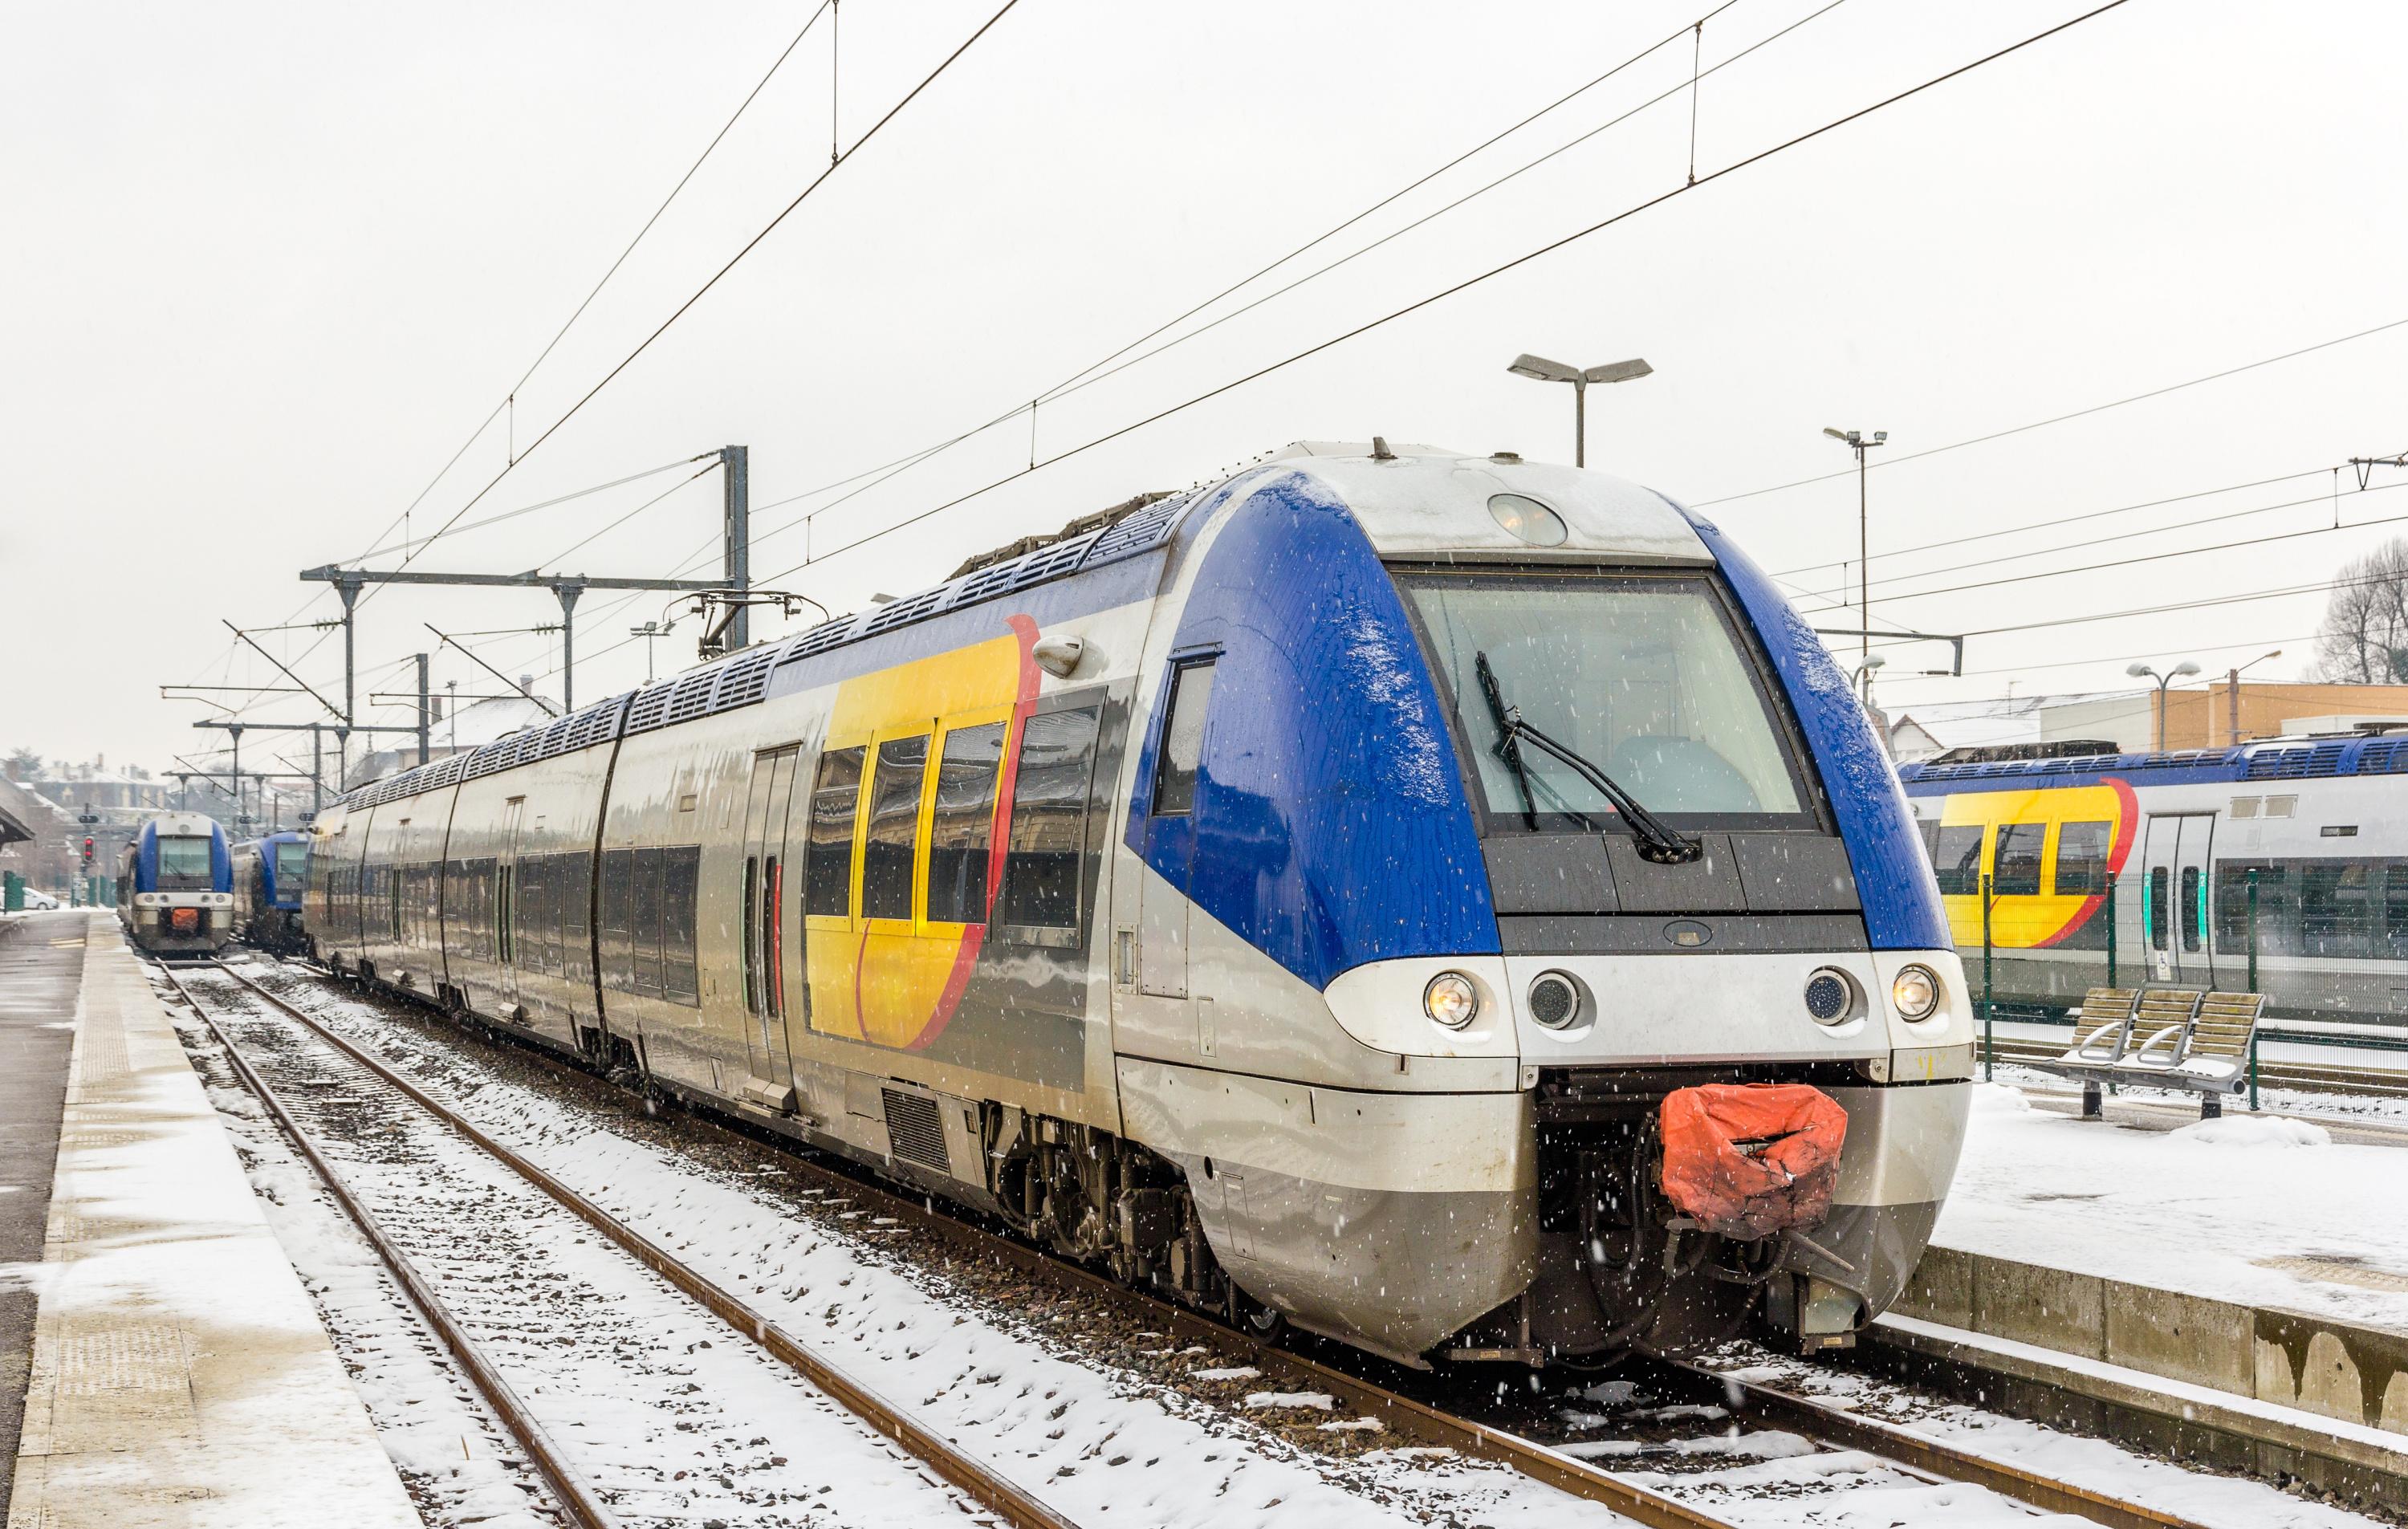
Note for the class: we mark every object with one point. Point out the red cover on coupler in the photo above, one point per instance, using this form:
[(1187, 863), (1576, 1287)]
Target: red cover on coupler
[(1748, 1160)]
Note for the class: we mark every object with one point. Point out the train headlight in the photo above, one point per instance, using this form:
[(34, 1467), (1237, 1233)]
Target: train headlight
[(1915, 991), (1450, 1000), (1830, 998), (1555, 1000)]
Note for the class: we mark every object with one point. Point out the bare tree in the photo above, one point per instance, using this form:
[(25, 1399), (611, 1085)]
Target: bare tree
[(2364, 639)]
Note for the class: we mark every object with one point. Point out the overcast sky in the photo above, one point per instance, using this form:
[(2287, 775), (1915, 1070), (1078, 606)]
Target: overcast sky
[(264, 268)]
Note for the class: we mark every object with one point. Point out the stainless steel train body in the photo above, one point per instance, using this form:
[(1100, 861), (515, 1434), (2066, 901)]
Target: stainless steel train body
[(175, 886), (1108, 888), (270, 874), (2321, 822)]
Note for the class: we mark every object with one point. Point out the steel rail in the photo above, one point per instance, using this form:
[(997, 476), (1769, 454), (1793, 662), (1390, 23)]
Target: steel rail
[(967, 1474), (1802, 1414), (1477, 1440), (577, 1498)]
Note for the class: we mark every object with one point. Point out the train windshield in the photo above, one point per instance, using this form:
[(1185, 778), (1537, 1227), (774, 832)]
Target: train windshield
[(183, 861), (1643, 676), (292, 866)]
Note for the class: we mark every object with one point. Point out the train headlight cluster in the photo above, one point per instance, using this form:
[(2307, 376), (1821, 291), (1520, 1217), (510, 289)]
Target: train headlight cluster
[(1450, 1000), (1915, 991)]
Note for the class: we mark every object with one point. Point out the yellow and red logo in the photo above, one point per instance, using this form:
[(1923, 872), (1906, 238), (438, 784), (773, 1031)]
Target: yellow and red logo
[(2033, 921), (896, 982)]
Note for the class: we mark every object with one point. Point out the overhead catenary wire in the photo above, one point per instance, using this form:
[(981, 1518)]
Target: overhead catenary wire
[(1442, 294), (1112, 364), (541, 503), (1888, 585), (750, 245), (2059, 418)]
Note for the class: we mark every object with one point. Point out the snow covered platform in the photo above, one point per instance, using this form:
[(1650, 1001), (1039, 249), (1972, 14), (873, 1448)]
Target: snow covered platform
[(179, 1373), (2252, 1254)]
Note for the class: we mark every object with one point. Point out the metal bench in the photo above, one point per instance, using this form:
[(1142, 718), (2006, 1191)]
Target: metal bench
[(2161, 1037)]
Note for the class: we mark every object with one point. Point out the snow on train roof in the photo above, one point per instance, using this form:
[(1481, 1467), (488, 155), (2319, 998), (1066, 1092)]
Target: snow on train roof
[(1422, 500)]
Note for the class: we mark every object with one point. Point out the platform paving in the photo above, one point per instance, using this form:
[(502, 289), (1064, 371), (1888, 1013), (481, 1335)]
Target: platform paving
[(41, 969), (180, 1375)]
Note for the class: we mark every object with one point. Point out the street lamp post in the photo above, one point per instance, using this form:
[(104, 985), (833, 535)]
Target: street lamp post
[(1861, 442), (2232, 692), (2143, 671), (1541, 369)]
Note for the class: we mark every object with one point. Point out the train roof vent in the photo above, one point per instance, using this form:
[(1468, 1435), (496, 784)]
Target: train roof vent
[(2296, 763), (644, 712), (2386, 756), (909, 608), (1054, 561), (554, 739), (493, 756), (1143, 532), (691, 697), (742, 680), (819, 639), (596, 724)]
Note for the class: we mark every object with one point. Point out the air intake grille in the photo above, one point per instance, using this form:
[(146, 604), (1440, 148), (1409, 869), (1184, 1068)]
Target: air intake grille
[(914, 1130)]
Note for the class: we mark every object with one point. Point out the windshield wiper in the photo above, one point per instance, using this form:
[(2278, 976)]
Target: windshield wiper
[(1658, 841)]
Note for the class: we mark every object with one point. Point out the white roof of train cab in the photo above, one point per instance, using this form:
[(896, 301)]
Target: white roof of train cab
[(1427, 501)]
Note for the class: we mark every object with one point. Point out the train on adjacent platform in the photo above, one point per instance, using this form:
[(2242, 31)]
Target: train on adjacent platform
[(270, 874), (175, 886), (1303, 896), (2313, 823)]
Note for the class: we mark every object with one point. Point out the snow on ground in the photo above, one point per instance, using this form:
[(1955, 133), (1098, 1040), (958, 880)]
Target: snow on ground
[(452, 1455), (2201, 1210), (1100, 1444)]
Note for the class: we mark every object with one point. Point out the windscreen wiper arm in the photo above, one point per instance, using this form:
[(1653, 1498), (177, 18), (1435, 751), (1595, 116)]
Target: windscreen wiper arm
[(1658, 841)]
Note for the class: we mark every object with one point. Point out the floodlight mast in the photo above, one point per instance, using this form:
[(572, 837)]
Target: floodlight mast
[(1539, 369)]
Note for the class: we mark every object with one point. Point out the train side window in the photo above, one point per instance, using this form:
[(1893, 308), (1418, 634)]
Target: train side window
[(680, 880), (2191, 905), (2395, 908), (2015, 864), (961, 830), (648, 878), (576, 912), (1048, 841), (618, 920), (827, 873), (1182, 740), (1929, 829), (1957, 861), (2336, 909), (2081, 859), (888, 849), (2154, 914)]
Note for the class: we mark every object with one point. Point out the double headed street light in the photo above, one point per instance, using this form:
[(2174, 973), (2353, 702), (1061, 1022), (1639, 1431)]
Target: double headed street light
[(2141, 671), (1541, 369)]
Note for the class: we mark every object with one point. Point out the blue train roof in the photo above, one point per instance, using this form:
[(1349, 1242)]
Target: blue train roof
[(2277, 759)]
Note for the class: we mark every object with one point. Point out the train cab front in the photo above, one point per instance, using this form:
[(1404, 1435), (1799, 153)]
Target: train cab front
[(1749, 1038)]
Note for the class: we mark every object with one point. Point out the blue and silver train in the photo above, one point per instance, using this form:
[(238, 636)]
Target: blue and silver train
[(175, 886), (1298, 895), (270, 873), (2181, 838)]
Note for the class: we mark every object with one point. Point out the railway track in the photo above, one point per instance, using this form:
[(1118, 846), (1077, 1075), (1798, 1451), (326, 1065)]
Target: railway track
[(469, 1320), (1832, 1428)]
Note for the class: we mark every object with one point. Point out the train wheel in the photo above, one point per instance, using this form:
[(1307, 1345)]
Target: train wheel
[(1263, 1321)]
